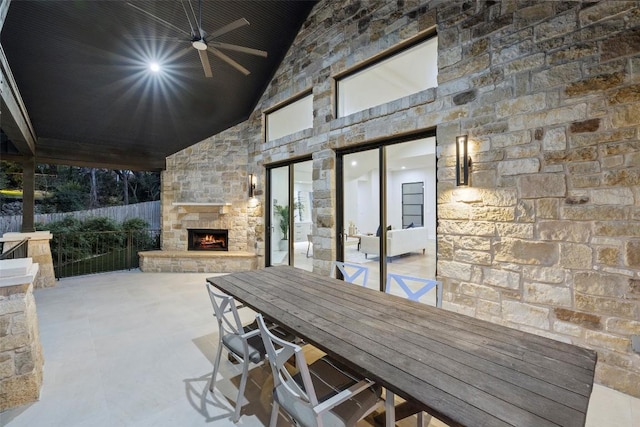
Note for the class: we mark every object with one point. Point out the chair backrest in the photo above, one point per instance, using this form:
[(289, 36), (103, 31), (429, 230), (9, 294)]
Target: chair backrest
[(408, 283), (350, 271), (225, 311), (279, 352)]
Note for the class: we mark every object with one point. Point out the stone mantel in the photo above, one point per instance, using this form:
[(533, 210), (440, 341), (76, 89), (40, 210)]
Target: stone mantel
[(187, 207), (199, 204)]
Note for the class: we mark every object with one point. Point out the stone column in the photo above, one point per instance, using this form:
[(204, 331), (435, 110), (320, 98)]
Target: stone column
[(39, 250), (21, 359)]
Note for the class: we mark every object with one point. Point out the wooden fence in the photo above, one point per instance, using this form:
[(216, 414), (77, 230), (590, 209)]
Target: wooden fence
[(148, 211)]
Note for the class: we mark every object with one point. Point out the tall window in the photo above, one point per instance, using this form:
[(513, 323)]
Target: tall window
[(407, 72), (290, 118)]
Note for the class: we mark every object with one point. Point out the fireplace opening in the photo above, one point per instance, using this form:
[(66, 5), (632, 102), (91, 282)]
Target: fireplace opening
[(201, 239)]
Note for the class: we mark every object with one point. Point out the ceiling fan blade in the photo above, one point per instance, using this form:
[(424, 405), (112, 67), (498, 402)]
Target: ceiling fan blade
[(178, 54), (237, 48), (229, 27), (205, 63), (157, 39), (187, 14), (157, 19), (229, 61)]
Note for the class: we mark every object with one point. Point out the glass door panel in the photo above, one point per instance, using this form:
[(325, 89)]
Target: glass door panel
[(302, 224), (279, 215), (361, 212), (410, 211)]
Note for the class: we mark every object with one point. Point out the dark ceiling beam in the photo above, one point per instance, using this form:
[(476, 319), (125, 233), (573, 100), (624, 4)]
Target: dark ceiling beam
[(15, 119), (55, 151)]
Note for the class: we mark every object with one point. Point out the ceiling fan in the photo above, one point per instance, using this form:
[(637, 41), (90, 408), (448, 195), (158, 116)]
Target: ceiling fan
[(204, 42)]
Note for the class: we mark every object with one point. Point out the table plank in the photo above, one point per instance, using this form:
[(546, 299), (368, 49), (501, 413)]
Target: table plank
[(462, 370)]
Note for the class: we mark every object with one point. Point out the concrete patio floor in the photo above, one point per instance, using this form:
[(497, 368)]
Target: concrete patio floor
[(136, 349)]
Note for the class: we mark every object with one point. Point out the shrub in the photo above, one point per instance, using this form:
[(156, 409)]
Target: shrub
[(141, 239)]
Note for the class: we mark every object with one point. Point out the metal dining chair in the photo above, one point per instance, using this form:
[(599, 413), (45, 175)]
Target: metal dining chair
[(244, 344), (320, 394), (404, 282), (350, 271)]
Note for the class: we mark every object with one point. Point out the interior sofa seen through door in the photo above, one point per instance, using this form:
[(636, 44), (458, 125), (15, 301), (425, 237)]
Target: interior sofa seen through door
[(398, 242)]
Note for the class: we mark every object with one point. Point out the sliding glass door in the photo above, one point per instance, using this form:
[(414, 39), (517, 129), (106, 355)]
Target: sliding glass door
[(289, 215), (388, 217)]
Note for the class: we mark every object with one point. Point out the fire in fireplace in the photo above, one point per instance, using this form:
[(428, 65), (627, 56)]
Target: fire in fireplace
[(208, 240)]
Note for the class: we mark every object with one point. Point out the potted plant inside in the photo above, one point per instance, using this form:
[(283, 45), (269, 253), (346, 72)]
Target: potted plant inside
[(283, 212)]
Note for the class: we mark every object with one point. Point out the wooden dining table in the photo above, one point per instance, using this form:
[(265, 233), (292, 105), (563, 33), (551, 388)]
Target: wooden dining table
[(459, 369)]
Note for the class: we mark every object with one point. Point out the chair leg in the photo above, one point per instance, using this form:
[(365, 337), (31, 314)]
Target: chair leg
[(420, 419), (274, 414), (243, 384), (216, 365)]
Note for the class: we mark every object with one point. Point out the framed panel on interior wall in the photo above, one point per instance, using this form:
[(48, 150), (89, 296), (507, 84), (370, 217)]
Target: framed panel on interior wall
[(412, 204)]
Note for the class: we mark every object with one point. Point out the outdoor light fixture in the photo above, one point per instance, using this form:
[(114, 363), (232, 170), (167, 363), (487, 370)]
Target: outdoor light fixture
[(463, 161), (252, 185)]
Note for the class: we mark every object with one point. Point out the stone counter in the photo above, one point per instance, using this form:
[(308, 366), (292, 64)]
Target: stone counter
[(197, 261), (39, 250)]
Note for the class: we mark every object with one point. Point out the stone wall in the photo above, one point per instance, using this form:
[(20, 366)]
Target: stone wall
[(213, 171), (21, 358), (547, 237)]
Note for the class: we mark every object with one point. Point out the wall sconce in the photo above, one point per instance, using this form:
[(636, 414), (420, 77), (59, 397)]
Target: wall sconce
[(463, 161), (252, 185)]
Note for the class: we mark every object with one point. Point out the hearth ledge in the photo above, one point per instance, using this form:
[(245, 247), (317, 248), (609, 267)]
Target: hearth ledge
[(197, 254), (197, 261)]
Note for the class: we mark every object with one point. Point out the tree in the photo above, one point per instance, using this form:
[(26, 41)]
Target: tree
[(3, 183), (68, 197), (77, 188), (93, 200)]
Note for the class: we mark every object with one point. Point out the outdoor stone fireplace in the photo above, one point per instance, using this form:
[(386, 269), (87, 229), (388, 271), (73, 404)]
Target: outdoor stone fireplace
[(202, 237), (207, 239)]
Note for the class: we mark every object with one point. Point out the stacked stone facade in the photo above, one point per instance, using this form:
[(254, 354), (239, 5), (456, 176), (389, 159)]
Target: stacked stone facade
[(547, 237), (213, 172), (21, 360)]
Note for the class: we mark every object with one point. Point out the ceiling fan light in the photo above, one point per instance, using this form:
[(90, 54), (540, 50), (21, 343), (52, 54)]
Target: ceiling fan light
[(199, 44)]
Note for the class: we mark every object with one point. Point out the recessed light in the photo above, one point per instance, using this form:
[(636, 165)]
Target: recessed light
[(155, 67)]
